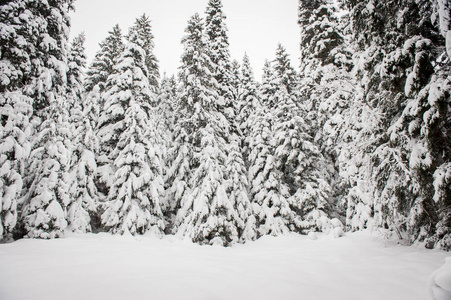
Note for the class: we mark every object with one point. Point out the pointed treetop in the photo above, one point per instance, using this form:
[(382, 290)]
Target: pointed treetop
[(103, 63), (113, 43), (141, 34), (215, 26), (214, 8), (76, 63), (267, 71), (77, 56), (283, 69), (143, 30), (246, 69)]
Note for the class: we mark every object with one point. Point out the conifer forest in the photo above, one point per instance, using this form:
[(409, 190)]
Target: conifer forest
[(357, 136)]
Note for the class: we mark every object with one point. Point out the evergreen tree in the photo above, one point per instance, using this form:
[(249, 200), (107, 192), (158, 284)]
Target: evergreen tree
[(166, 119), (76, 63), (15, 113), (225, 72), (207, 214), (137, 186), (44, 211), (104, 60), (269, 193), (326, 86), (298, 157), (248, 97), (143, 28), (82, 166), (180, 157), (424, 122), (97, 85), (398, 68), (271, 213), (268, 87), (206, 200), (218, 50), (15, 131)]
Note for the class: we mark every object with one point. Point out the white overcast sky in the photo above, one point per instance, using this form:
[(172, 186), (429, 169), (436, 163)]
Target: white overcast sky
[(255, 26)]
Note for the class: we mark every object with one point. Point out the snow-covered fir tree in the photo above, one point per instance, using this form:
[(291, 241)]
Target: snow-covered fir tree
[(218, 50), (82, 190), (103, 64), (425, 122), (226, 74), (393, 163), (180, 155), (47, 184), (133, 203), (76, 63), (298, 157), (166, 106), (144, 30), (15, 113), (206, 214), (248, 98), (95, 85), (326, 87), (204, 210), (370, 163), (269, 194)]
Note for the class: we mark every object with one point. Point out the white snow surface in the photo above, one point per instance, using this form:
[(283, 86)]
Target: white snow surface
[(361, 265), (440, 282)]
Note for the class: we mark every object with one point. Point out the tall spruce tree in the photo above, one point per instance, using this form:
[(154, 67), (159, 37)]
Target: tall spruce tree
[(103, 64), (143, 28), (248, 97), (15, 112), (44, 211), (298, 157), (137, 186), (326, 85), (95, 85), (204, 214), (218, 46), (425, 121), (225, 73), (393, 136), (82, 166), (165, 122), (180, 156), (207, 213), (271, 212)]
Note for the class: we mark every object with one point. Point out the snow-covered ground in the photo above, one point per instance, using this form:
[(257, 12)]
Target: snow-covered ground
[(358, 266)]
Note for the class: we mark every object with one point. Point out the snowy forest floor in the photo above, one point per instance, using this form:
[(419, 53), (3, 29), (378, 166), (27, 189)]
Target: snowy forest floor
[(361, 265)]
